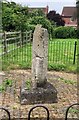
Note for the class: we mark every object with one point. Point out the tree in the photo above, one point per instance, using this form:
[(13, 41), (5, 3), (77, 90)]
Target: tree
[(36, 12), (53, 16), (41, 20), (14, 16), (18, 17)]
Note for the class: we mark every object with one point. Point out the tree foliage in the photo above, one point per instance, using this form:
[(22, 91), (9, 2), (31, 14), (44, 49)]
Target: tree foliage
[(18, 17), (41, 20), (36, 12), (65, 32), (53, 16), (14, 16)]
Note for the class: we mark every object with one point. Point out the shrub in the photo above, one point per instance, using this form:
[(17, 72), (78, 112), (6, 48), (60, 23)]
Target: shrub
[(77, 33), (65, 32), (43, 21), (30, 27)]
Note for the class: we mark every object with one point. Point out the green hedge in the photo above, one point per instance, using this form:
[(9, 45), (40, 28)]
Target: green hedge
[(65, 32), (41, 20)]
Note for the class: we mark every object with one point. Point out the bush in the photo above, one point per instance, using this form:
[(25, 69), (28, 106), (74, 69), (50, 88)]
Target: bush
[(30, 27), (77, 33), (43, 21), (65, 32)]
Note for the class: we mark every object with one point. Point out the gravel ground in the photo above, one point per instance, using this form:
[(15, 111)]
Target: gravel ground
[(65, 83)]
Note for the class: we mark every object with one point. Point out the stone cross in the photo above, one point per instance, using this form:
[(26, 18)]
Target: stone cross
[(39, 57)]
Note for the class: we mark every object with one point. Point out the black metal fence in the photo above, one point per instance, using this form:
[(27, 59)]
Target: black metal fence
[(62, 51), (47, 115), (16, 48)]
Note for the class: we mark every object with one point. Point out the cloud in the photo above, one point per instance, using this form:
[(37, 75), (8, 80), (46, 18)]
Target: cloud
[(25, 1), (53, 4)]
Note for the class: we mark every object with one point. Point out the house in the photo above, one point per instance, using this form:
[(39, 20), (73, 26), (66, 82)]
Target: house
[(69, 16), (44, 9)]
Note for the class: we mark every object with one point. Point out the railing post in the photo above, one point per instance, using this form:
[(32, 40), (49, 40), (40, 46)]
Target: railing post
[(20, 38), (26, 36), (5, 43), (74, 52)]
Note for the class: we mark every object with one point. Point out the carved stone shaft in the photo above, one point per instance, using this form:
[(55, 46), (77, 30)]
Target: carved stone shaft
[(39, 57)]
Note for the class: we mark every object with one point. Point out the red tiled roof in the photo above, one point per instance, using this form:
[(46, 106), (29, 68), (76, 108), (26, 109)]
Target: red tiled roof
[(69, 11)]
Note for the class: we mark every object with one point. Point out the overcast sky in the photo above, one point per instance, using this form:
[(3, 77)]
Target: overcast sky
[(56, 5)]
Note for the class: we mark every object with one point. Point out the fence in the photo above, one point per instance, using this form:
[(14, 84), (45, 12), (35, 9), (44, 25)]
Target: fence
[(16, 48), (14, 40), (62, 52), (47, 115)]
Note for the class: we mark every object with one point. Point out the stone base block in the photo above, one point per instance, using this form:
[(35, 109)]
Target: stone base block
[(47, 94)]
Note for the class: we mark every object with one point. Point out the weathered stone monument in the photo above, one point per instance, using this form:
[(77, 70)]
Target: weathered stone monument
[(39, 57), (40, 91)]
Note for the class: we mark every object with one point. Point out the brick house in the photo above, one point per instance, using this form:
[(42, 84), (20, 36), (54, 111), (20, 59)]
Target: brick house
[(44, 9), (69, 16)]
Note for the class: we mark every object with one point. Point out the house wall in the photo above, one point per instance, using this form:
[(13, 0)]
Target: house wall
[(46, 10), (69, 22)]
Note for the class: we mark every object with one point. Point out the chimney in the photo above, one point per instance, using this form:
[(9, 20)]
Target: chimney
[(47, 8)]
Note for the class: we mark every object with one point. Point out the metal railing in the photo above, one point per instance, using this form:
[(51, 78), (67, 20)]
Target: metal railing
[(8, 113), (67, 111), (62, 52), (29, 114), (44, 107), (16, 48)]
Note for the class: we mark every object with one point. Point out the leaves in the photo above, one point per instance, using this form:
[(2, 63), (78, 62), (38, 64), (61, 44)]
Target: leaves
[(28, 84), (13, 16), (6, 83), (53, 16)]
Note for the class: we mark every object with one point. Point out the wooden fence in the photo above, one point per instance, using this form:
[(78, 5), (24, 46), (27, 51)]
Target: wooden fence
[(13, 40)]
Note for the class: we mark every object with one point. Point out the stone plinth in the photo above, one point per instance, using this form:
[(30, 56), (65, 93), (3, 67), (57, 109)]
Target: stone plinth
[(47, 94)]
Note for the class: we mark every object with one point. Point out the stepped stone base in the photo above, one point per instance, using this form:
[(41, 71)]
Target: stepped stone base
[(47, 94)]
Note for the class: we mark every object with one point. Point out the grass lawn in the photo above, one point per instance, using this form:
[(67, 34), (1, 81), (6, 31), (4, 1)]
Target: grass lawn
[(60, 56)]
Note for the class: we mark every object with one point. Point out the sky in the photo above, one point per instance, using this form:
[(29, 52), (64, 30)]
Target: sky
[(56, 5)]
